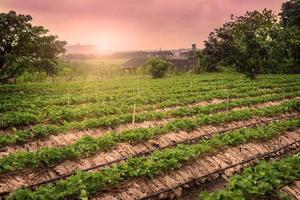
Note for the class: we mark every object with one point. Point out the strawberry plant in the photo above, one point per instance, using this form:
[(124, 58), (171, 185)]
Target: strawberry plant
[(170, 159)]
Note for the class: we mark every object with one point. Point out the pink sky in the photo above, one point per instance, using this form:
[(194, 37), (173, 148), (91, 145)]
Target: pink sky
[(134, 24)]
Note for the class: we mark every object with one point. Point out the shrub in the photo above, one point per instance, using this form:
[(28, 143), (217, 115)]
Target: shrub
[(32, 77), (158, 67)]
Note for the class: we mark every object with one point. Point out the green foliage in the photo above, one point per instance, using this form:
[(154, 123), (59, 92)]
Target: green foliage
[(20, 119), (60, 119), (290, 15), (158, 67), (254, 43), (89, 145), (290, 19), (32, 111), (26, 47), (244, 42), (32, 77), (259, 181), (168, 159)]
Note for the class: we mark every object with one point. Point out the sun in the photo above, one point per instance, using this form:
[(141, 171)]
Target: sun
[(107, 41)]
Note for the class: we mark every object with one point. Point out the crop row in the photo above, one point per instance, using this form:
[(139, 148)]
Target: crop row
[(65, 114), (33, 107), (174, 85), (259, 181), (145, 96), (32, 90), (85, 184), (89, 146), (71, 99), (41, 131), (46, 88)]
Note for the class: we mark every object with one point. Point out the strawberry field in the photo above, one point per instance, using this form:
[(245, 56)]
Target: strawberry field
[(211, 136)]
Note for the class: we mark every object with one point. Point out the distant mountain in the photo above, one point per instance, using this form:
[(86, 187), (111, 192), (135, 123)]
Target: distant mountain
[(87, 52), (82, 49)]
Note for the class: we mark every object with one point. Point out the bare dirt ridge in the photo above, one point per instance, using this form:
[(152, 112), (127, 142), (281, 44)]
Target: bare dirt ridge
[(73, 136), (10, 182), (194, 189), (205, 168), (292, 190)]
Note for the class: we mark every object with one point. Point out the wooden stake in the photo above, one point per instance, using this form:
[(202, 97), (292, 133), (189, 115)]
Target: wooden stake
[(227, 106), (68, 97), (134, 105), (133, 114)]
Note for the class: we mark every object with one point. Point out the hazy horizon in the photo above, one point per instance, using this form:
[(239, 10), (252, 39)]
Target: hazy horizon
[(134, 24)]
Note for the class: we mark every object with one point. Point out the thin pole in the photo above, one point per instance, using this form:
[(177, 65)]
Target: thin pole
[(134, 105), (68, 97), (133, 114), (227, 106)]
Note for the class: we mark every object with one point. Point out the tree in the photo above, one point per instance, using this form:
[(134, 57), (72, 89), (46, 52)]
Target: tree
[(158, 67), (290, 13), (203, 64), (246, 42), (285, 50), (26, 47), (290, 19)]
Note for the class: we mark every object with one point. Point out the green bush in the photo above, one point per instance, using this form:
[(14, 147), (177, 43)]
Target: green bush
[(32, 77), (158, 67)]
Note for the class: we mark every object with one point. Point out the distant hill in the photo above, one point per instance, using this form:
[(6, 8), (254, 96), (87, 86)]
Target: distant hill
[(87, 52)]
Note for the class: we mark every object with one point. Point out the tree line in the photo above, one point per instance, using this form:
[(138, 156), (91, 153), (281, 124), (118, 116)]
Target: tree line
[(258, 42)]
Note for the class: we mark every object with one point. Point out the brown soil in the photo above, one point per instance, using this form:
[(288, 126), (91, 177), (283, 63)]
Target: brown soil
[(292, 190), (194, 191), (73, 136), (204, 169), (9, 182)]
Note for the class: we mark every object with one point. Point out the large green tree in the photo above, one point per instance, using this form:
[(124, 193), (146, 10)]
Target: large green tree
[(290, 13), (243, 42), (290, 19), (26, 47), (254, 43)]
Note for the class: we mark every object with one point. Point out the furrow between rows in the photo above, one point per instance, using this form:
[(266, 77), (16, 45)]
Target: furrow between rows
[(78, 115), (292, 190), (73, 136), (205, 168), (88, 98), (122, 151)]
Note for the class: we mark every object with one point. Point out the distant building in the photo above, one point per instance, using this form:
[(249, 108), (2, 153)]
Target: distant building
[(194, 47), (180, 60), (135, 63)]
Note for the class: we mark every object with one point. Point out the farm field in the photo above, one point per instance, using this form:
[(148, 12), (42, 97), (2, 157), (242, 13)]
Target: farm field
[(142, 138)]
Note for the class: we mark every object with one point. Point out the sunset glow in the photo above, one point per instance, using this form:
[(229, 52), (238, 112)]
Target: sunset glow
[(149, 99), (134, 24)]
